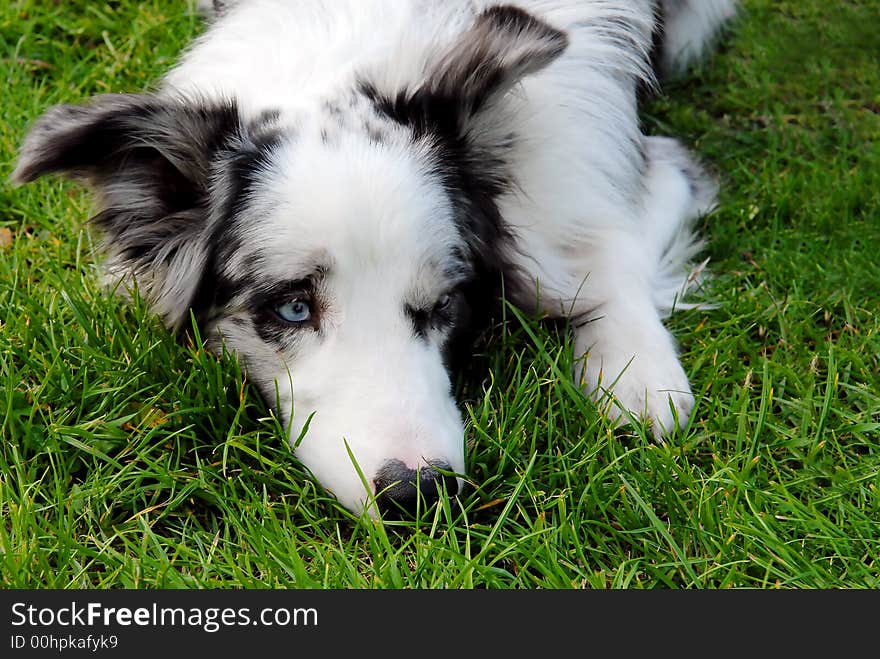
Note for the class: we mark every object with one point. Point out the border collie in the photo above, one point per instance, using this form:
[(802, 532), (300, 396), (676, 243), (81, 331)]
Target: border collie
[(339, 190)]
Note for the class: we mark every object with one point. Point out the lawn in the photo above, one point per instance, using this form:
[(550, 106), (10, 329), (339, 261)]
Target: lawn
[(131, 460)]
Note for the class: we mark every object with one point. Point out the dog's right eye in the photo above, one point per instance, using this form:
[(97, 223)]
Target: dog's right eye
[(443, 303), (294, 311)]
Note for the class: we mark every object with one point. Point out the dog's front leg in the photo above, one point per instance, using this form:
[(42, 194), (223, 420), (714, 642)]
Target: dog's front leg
[(626, 360)]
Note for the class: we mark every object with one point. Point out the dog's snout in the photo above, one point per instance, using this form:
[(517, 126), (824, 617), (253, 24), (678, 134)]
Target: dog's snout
[(399, 488)]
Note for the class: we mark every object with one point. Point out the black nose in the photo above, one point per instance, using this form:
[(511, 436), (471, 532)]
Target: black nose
[(399, 488)]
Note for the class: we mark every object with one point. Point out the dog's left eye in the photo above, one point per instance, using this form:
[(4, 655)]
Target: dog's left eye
[(294, 311), (443, 303)]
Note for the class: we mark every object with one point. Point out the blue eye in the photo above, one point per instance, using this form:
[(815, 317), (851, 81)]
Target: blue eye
[(294, 311)]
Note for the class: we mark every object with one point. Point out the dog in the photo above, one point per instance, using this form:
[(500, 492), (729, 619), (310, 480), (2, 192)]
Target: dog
[(338, 192)]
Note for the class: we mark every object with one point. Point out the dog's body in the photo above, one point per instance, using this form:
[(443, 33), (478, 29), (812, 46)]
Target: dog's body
[(337, 190)]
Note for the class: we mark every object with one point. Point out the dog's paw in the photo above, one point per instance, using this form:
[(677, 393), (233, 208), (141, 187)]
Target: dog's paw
[(648, 385), (659, 395)]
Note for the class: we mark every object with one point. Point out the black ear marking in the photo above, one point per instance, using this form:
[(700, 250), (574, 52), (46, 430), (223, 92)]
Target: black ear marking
[(148, 159), (152, 162), (95, 140), (504, 44)]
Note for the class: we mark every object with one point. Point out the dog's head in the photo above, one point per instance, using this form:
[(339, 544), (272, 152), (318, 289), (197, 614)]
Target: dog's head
[(340, 252)]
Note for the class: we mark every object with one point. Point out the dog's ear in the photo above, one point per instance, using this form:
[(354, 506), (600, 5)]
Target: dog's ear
[(464, 82), (503, 45), (149, 161)]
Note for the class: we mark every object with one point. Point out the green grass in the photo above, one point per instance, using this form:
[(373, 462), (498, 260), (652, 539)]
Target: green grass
[(130, 460)]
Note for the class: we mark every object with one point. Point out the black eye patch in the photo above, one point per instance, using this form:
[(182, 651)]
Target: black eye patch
[(270, 307), (440, 316)]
